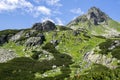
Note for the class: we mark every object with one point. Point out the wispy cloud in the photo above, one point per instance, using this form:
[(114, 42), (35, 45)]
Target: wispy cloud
[(77, 11), (50, 2), (54, 2), (41, 10)]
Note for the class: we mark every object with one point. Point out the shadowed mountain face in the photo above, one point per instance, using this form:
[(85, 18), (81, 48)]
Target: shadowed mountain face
[(97, 16)]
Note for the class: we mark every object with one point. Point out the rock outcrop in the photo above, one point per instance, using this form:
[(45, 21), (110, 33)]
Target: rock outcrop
[(6, 55), (32, 41), (101, 59), (17, 36), (5, 35), (45, 26)]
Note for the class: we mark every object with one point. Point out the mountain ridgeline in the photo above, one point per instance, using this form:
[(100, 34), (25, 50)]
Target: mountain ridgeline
[(94, 15), (87, 48), (96, 22)]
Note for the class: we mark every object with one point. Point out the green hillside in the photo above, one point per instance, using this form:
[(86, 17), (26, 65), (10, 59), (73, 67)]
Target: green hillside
[(79, 51)]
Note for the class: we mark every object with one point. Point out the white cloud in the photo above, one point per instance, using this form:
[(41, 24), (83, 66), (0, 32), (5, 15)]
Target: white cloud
[(56, 20), (43, 10), (77, 11), (59, 21), (25, 6), (9, 5)]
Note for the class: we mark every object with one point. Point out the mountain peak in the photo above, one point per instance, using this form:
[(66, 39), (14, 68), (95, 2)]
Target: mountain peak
[(97, 16), (94, 9), (94, 16)]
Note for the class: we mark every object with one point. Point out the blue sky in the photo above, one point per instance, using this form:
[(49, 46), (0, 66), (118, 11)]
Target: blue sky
[(17, 14)]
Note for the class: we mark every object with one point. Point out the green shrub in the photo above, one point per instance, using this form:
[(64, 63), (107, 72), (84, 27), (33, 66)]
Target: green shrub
[(36, 54)]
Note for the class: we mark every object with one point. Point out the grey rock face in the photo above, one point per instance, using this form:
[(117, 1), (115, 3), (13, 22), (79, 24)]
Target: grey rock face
[(45, 26), (32, 41), (29, 33), (96, 15), (48, 26), (38, 26), (6, 55), (17, 36)]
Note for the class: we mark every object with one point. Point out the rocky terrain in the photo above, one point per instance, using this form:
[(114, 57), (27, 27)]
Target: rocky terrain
[(6, 55), (88, 48)]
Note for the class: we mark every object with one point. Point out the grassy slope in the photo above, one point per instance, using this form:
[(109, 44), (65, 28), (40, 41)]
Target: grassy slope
[(98, 29), (115, 25), (17, 48), (74, 46)]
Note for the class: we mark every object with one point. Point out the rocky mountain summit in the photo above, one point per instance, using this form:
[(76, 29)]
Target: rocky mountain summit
[(45, 26), (94, 15), (97, 16)]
